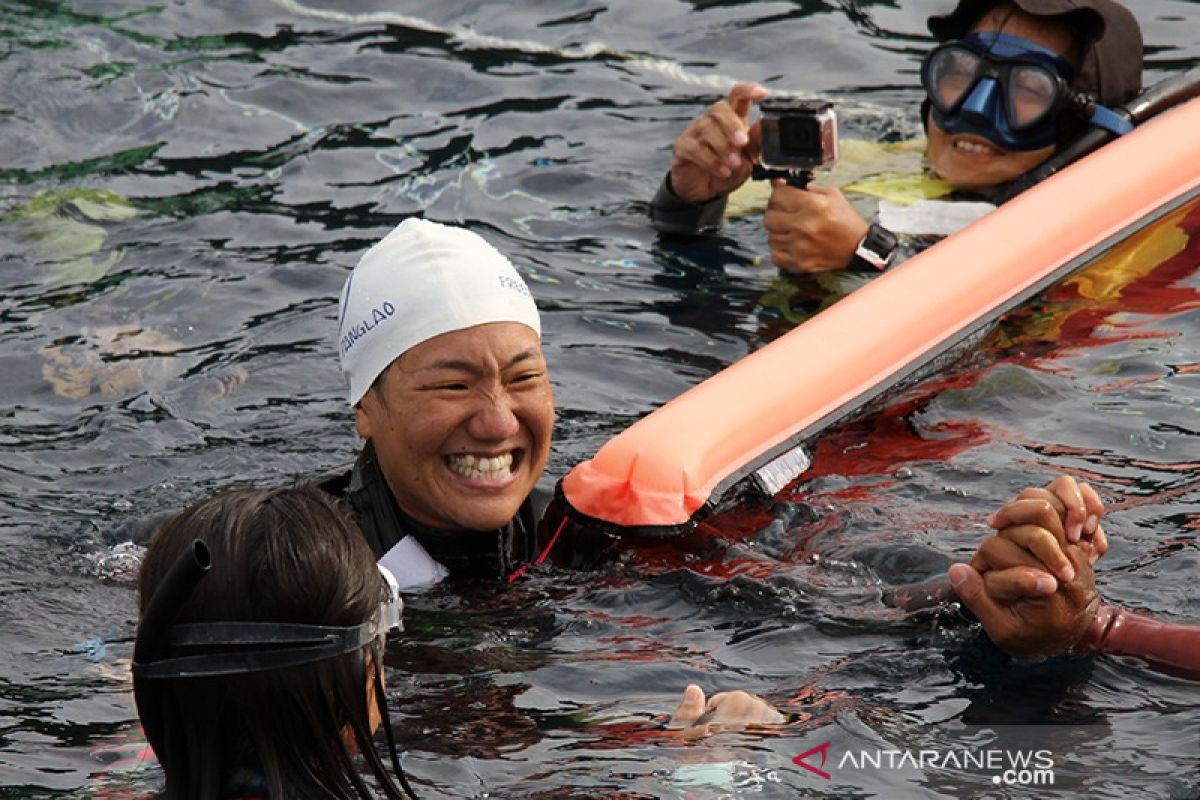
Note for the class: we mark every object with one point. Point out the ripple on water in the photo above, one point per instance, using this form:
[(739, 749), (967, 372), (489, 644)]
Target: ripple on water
[(183, 189)]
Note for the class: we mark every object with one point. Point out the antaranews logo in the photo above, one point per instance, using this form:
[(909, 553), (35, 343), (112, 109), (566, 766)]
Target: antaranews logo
[(823, 749), (1008, 767)]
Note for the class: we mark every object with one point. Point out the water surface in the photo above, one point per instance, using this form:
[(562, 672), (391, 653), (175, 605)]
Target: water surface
[(184, 187)]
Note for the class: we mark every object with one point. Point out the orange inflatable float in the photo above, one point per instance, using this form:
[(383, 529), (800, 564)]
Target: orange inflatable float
[(749, 423)]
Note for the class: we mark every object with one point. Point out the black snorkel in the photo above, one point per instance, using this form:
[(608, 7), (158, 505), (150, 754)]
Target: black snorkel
[(151, 643), (187, 571), (1153, 101)]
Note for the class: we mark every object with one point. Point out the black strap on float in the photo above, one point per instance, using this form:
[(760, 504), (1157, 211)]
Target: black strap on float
[(1104, 129)]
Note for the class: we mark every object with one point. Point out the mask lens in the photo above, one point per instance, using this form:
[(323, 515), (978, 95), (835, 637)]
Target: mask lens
[(1032, 92), (949, 75)]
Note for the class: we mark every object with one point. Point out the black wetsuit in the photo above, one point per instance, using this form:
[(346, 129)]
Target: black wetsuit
[(474, 554)]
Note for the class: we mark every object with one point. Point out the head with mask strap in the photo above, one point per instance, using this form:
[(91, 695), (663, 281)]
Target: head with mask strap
[(1104, 62)]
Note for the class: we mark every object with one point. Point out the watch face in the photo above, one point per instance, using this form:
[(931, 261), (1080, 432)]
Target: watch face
[(880, 240), (877, 247)]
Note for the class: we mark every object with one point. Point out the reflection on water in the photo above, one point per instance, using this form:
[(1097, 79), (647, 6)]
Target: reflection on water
[(182, 190)]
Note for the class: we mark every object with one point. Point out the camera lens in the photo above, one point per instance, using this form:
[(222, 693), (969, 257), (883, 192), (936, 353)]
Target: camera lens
[(800, 135)]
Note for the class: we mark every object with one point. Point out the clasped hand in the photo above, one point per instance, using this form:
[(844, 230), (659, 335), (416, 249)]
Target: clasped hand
[(1031, 585)]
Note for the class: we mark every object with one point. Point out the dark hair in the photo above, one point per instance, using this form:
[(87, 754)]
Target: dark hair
[(288, 555)]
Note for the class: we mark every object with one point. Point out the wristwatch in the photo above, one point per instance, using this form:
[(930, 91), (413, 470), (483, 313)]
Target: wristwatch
[(875, 250)]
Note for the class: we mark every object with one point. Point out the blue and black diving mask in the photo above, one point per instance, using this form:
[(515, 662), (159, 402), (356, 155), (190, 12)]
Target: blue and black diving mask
[(1004, 88)]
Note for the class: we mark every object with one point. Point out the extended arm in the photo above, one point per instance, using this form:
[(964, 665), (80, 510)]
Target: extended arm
[(671, 214), (1171, 647), (1072, 619)]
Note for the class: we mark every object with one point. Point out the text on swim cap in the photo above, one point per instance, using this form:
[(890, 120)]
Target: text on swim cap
[(517, 286), (356, 332)]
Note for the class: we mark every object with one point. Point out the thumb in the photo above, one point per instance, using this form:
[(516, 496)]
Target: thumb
[(743, 96), (968, 585), (690, 709)]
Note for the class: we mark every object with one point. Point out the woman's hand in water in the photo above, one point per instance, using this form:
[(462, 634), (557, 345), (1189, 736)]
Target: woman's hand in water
[(725, 711), (1024, 622), (1043, 521), (714, 155)]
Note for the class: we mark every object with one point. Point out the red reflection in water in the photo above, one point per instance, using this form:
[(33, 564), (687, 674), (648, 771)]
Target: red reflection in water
[(1118, 298), (1074, 315)]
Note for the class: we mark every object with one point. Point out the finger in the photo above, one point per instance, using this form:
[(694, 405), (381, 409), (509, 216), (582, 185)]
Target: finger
[(1038, 492), (1099, 543), (737, 709), (690, 708), (1030, 511), (743, 95), (1095, 507), (1042, 544), (1007, 586), (789, 200), (714, 701), (1065, 488), (732, 127), (725, 132), (996, 552), (968, 585), (784, 260), (693, 149)]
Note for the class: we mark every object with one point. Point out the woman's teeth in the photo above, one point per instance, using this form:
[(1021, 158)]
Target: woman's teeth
[(974, 147), (482, 468)]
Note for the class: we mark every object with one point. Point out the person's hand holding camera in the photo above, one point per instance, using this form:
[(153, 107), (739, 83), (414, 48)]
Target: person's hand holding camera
[(716, 152), (812, 230)]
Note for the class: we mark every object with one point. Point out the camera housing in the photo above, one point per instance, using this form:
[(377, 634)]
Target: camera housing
[(798, 136)]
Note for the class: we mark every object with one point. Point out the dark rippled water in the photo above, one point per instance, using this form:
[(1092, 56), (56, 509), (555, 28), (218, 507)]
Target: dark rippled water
[(183, 188)]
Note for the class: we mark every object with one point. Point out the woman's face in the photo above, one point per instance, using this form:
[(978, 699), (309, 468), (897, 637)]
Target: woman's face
[(969, 161)]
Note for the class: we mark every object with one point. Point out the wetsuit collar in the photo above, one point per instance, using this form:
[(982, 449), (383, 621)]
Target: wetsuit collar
[(472, 554)]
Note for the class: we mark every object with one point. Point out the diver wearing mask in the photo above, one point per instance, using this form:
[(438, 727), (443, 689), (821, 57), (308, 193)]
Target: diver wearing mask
[(1010, 83), (1021, 80)]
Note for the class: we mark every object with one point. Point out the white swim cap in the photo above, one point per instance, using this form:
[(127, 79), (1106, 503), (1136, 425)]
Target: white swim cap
[(420, 281)]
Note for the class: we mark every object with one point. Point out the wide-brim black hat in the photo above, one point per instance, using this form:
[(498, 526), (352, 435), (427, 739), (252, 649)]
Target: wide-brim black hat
[(1111, 69)]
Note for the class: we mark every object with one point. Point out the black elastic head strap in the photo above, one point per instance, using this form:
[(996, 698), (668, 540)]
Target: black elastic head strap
[(275, 646), (231, 648)]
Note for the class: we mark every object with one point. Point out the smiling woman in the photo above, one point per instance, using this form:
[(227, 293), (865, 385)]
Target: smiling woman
[(257, 150), (452, 394), (461, 425), (1032, 53)]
